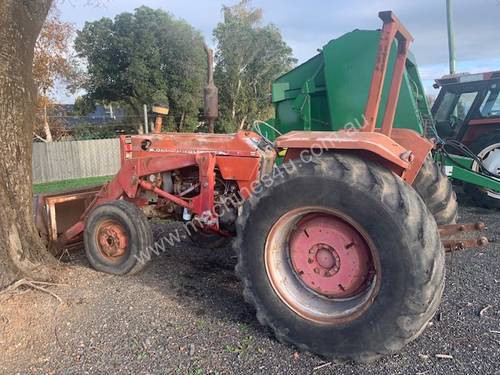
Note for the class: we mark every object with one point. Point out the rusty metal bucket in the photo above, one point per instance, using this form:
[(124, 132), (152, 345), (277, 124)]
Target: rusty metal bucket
[(55, 212)]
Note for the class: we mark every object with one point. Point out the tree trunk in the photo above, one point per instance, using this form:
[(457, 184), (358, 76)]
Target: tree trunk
[(46, 127), (233, 109), (181, 122), (243, 123), (235, 99), (21, 250), (211, 126)]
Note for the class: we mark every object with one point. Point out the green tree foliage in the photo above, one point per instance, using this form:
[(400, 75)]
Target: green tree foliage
[(249, 57), (143, 58)]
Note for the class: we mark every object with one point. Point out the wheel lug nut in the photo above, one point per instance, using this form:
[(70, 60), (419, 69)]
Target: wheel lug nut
[(316, 270)]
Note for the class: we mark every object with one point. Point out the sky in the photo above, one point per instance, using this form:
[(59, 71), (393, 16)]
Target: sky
[(308, 25)]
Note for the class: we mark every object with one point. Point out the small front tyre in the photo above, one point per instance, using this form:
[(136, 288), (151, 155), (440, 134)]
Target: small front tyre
[(118, 238)]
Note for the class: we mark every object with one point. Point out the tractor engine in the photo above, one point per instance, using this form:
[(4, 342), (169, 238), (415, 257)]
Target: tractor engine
[(185, 183)]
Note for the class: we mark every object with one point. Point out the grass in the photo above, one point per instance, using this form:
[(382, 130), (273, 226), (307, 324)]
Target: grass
[(50, 187), (243, 348)]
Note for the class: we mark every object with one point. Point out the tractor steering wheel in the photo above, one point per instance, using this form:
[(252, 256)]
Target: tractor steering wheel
[(454, 121), (256, 127)]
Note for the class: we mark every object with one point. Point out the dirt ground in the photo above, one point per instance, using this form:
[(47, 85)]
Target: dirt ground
[(186, 315)]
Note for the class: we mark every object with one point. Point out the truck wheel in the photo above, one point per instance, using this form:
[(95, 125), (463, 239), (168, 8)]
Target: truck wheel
[(437, 192), (118, 238), (487, 148), (340, 257)]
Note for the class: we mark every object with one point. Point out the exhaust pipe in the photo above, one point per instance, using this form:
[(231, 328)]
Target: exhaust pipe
[(210, 93)]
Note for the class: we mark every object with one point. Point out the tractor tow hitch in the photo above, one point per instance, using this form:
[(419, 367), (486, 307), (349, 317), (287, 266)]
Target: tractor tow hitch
[(449, 234)]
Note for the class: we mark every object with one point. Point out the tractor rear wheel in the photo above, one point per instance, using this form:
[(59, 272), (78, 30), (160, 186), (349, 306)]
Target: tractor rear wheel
[(118, 238), (340, 257), (487, 148), (437, 192)]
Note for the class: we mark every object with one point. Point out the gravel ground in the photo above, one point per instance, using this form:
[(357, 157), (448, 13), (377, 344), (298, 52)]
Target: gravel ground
[(185, 314)]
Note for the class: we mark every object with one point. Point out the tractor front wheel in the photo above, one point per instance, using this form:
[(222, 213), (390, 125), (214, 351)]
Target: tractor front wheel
[(118, 238), (340, 257)]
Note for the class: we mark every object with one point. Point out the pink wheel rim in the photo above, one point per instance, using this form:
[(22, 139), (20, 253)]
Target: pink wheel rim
[(322, 265), (330, 256)]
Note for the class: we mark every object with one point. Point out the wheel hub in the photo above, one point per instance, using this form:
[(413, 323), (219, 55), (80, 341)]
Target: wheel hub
[(326, 257), (329, 256), (491, 161), (112, 239)]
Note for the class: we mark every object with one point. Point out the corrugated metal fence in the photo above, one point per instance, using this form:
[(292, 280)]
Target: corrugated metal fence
[(79, 159)]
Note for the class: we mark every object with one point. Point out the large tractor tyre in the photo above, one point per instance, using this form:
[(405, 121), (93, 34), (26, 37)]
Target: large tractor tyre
[(487, 148), (437, 192), (118, 238), (208, 240), (340, 257)]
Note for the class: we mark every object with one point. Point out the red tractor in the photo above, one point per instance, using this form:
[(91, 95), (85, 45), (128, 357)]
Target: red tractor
[(467, 112), (336, 250)]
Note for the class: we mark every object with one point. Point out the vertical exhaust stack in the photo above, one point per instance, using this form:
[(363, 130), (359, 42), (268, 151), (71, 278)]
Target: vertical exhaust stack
[(210, 93)]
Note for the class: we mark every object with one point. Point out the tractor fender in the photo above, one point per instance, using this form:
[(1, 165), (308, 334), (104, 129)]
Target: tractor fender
[(403, 153)]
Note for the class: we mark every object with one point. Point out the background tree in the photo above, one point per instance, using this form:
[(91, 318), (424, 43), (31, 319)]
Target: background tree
[(21, 249), (143, 58), (53, 64), (248, 58)]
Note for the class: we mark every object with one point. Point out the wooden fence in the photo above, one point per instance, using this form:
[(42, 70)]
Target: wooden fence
[(59, 161)]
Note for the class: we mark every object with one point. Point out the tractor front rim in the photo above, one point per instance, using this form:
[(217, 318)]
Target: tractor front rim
[(322, 265), (490, 157), (112, 239)]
